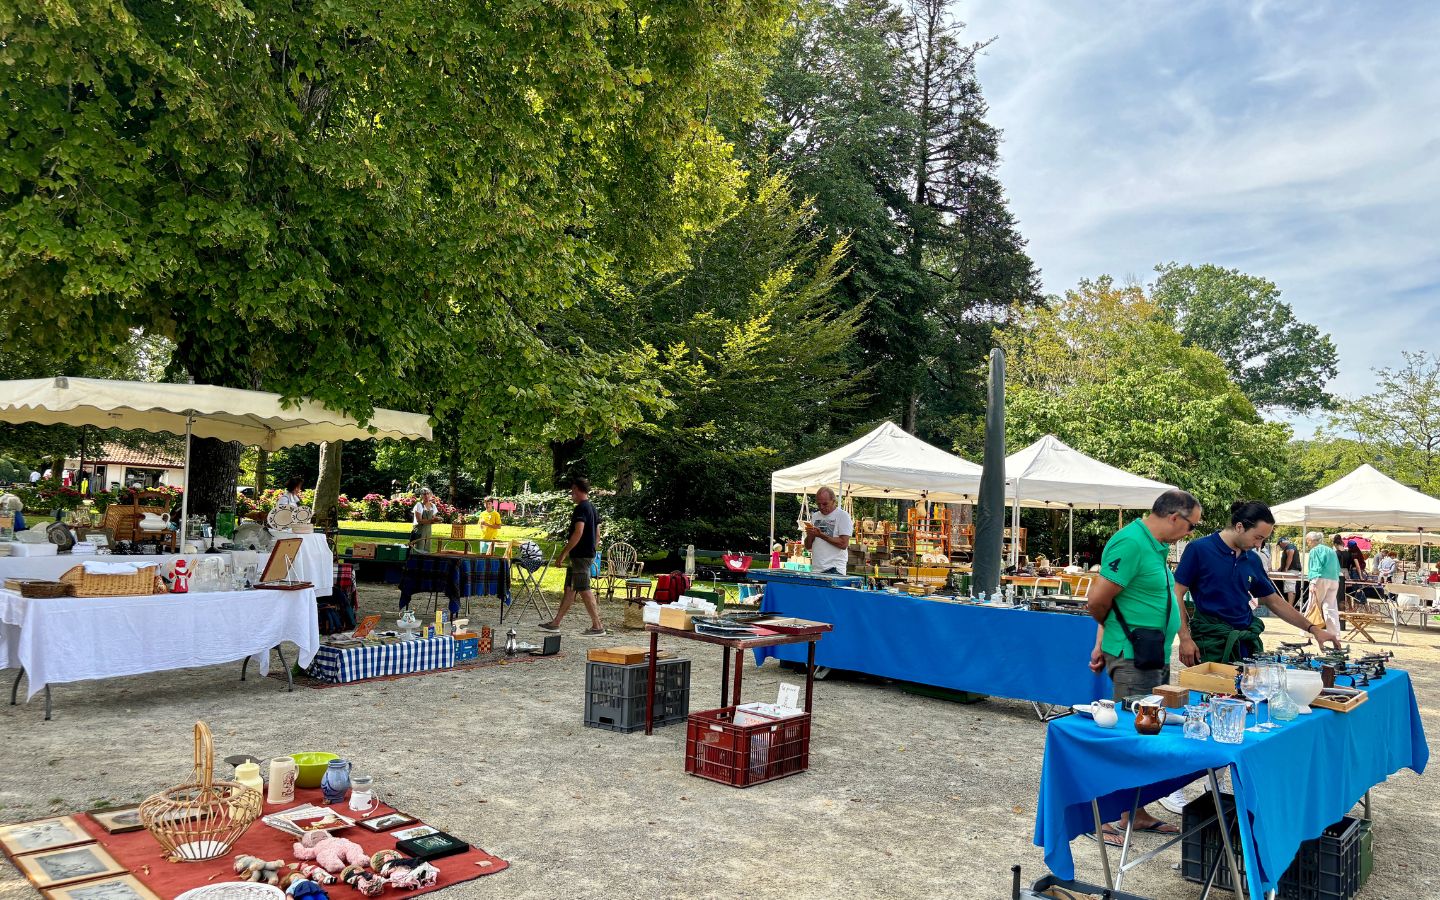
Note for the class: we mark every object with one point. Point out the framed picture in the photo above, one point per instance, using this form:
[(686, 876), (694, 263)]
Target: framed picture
[(282, 560), (409, 833), (118, 820), (387, 822), (120, 887), (44, 834), (53, 868)]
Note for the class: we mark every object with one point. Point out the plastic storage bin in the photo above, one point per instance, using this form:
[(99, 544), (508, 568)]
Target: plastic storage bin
[(744, 755), (615, 694)]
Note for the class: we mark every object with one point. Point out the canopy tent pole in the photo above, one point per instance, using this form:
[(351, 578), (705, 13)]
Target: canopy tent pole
[(772, 523), (1015, 528), (185, 492), (1070, 560)]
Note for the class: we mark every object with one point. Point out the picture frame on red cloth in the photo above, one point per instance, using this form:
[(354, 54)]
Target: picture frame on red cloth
[(42, 834), (120, 887), (52, 868)]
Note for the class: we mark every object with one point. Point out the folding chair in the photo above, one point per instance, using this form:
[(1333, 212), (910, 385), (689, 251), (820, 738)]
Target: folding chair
[(525, 588)]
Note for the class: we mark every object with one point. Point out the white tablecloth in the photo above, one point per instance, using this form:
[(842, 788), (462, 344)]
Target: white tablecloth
[(52, 567), (315, 564), (78, 638)]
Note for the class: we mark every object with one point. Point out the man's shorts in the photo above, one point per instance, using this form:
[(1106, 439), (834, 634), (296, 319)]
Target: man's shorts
[(1130, 681), (577, 573)]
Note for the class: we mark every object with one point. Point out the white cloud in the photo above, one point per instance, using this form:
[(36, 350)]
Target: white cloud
[(1293, 140)]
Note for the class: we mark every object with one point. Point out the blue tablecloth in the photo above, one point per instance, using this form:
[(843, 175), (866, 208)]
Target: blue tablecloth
[(456, 576), (794, 576), (1290, 783), (1011, 653)]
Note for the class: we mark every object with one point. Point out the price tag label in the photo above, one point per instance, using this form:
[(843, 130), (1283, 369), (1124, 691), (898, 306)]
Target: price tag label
[(789, 696)]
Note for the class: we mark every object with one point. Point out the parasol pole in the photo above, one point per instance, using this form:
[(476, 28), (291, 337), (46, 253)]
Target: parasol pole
[(185, 493), (772, 523), (1070, 560)]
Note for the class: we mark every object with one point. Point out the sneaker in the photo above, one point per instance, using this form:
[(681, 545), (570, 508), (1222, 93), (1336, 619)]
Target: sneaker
[(594, 632), (546, 626), (1174, 802)]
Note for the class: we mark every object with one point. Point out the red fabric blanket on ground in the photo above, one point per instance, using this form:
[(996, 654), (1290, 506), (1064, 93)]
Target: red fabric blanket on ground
[(137, 850)]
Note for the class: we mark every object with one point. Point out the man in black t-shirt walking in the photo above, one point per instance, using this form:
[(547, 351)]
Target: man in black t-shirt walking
[(577, 557)]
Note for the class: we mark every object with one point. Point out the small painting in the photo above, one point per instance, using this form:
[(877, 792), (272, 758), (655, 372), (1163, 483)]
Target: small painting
[(56, 867), (119, 820), (121, 887), (44, 834), (387, 822), (417, 831)]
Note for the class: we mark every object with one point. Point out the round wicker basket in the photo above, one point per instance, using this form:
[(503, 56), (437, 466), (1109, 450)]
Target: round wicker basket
[(204, 819)]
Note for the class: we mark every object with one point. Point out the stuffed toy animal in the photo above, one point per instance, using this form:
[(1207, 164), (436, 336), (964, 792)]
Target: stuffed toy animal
[(253, 868), (331, 853), (362, 880)]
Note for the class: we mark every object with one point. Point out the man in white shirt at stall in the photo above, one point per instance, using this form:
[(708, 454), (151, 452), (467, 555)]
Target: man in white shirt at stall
[(827, 535)]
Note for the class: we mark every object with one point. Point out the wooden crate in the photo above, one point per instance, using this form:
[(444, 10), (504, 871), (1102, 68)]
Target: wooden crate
[(1210, 678)]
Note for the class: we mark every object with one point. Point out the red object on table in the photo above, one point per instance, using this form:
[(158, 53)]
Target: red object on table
[(738, 644), (136, 850)]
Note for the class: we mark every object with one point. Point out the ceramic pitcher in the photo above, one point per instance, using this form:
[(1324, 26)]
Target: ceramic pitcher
[(336, 783)]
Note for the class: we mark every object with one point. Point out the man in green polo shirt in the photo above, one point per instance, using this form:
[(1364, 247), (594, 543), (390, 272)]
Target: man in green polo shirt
[(1135, 580)]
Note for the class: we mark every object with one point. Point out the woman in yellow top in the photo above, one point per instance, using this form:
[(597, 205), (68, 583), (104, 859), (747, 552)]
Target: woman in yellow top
[(490, 521)]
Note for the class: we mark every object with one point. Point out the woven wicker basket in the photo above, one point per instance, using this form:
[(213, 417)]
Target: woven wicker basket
[(201, 820), (142, 583), (37, 589)]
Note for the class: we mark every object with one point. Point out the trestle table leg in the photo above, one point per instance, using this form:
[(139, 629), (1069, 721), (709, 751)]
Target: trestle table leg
[(809, 673), (1235, 879), (1100, 838), (1125, 844), (650, 684), (47, 702), (725, 677), (15, 688), (244, 664), (289, 676)]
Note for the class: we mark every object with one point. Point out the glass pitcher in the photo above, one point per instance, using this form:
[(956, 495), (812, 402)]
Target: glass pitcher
[(1196, 726)]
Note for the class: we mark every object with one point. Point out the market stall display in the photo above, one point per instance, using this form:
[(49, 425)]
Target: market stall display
[(1092, 773), (378, 659), (458, 577), (65, 639), (1002, 651)]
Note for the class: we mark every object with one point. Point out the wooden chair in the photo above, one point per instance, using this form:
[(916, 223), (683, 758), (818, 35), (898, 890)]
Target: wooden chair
[(621, 563)]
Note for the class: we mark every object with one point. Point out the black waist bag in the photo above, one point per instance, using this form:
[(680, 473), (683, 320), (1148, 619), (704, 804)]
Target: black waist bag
[(1148, 643)]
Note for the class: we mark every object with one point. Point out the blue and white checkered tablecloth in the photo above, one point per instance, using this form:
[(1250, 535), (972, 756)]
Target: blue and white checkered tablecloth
[(342, 665)]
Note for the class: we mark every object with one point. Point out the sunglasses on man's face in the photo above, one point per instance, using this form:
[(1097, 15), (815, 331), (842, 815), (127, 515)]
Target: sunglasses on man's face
[(1189, 525)]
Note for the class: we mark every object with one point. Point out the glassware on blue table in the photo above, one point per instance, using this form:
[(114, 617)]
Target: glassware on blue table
[(1254, 686), (1227, 720), (1274, 687), (1196, 728)]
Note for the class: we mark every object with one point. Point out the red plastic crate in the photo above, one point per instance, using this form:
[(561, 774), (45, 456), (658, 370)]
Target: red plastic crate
[(742, 755)]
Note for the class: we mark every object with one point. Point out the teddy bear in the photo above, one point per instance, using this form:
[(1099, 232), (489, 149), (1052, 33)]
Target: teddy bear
[(253, 868), (331, 853)]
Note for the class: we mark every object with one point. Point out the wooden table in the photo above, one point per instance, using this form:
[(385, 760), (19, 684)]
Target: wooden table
[(738, 644)]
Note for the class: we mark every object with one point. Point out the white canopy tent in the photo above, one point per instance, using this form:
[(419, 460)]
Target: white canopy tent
[(253, 418), (1051, 474), (890, 463), (1365, 499)]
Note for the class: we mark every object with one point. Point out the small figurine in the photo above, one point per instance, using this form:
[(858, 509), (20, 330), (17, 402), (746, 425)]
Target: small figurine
[(180, 577)]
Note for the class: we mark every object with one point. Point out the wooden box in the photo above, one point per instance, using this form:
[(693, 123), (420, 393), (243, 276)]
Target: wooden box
[(1175, 696), (625, 656), (679, 619), (363, 550), (1210, 677), (1341, 703)]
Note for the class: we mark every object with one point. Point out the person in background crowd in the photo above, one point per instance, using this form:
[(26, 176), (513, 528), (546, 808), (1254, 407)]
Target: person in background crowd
[(1386, 565), (48, 473), (424, 513), (580, 553), (291, 497), (1222, 577), (490, 521), (1354, 562), (1290, 562), (1324, 574), (1434, 576), (34, 476), (1135, 593), (827, 534), (66, 478), (1342, 555)]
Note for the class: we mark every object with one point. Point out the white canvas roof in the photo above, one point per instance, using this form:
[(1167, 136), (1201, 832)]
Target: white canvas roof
[(888, 462), (1363, 499), (1049, 473)]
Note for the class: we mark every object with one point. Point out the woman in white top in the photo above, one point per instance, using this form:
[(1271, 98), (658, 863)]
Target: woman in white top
[(291, 497), (425, 514)]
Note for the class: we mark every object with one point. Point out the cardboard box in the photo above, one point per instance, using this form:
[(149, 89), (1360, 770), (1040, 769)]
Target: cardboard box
[(392, 552), (679, 619), (467, 648), (1210, 678), (363, 550)]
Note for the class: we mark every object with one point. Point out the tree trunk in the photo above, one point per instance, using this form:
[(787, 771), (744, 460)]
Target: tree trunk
[(214, 472), (625, 470), (490, 480), (262, 476), (912, 410), (327, 487), (567, 460), (453, 466)]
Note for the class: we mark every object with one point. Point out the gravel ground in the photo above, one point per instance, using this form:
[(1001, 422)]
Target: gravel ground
[(906, 796)]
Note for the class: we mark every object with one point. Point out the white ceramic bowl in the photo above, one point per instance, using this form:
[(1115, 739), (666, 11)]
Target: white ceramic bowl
[(1303, 686)]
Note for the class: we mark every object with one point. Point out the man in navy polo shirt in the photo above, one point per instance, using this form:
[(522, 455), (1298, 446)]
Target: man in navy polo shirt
[(1222, 576)]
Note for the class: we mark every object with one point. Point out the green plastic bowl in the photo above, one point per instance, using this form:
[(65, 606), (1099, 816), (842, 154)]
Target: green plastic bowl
[(311, 768)]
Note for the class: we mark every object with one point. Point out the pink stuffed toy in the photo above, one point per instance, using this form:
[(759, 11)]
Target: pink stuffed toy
[(332, 853)]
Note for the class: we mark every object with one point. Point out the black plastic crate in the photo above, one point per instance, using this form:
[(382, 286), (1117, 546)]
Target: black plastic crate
[(629, 681), (615, 695), (1325, 868)]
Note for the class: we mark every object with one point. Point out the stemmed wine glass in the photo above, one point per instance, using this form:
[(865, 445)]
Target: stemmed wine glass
[(1255, 685)]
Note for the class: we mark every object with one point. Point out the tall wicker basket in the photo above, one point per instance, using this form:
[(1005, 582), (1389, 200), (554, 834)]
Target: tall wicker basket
[(202, 820)]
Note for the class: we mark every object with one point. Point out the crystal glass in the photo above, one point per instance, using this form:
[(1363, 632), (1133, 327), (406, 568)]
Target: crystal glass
[(1227, 720), (1196, 728), (1274, 687), (1254, 686)]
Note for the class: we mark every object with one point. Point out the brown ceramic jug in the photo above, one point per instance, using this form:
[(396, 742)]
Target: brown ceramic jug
[(1148, 718)]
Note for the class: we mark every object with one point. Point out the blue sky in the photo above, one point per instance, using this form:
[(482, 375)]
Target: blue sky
[(1295, 140)]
